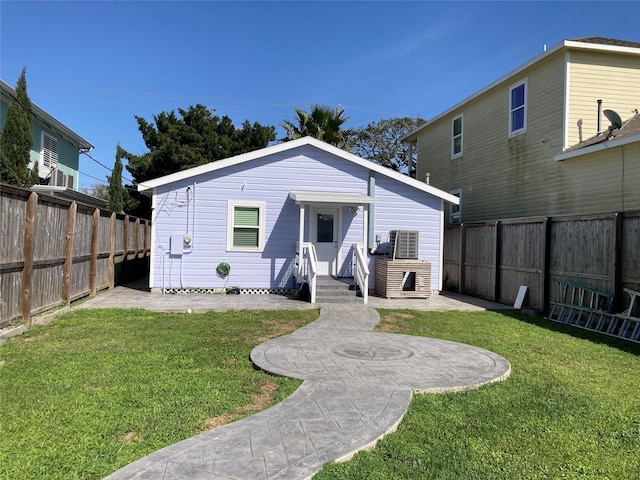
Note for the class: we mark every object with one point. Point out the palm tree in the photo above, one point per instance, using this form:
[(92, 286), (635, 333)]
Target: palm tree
[(322, 123)]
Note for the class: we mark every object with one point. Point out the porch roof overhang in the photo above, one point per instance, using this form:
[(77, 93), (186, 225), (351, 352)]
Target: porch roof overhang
[(301, 197)]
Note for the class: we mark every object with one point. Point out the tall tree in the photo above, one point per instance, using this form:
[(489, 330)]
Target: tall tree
[(323, 123), (16, 140), (115, 190), (194, 137), (380, 142)]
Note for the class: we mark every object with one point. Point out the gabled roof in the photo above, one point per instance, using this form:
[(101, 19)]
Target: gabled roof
[(608, 41), (283, 147), (49, 121), (629, 132), (588, 43)]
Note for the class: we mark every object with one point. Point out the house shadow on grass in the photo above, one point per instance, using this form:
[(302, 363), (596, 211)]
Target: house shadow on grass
[(576, 332)]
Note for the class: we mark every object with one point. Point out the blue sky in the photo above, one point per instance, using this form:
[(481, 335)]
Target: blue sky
[(96, 64)]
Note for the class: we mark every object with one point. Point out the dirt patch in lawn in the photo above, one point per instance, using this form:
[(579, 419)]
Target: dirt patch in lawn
[(391, 322), (277, 329), (259, 402)]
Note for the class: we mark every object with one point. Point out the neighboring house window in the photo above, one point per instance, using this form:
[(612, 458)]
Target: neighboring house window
[(456, 137), (245, 226), (49, 151), (455, 211), (518, 109)]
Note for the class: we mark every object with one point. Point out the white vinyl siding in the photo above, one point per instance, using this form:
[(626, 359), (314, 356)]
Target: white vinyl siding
[(518, 109), (245, 227), (456, 137), (49, 151)]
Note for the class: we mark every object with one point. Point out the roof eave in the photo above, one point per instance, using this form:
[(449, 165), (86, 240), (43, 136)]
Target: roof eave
[(597, 147), (411, 136), (281, 147), (50, 121)]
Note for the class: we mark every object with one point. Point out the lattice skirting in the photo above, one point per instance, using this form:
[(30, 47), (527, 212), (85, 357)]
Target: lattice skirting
[(220, 291)]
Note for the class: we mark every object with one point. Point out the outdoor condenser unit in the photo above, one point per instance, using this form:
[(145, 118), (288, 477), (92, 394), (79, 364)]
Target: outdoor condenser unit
[(404, 244)]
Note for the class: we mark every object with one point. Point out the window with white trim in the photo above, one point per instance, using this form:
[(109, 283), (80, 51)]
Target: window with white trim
[(456, 137), (245, 226), (518, 109), (455, 211), (49, 151)]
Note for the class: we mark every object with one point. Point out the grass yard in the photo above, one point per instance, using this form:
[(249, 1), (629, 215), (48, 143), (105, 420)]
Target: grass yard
[(570, 410), (97, 389)]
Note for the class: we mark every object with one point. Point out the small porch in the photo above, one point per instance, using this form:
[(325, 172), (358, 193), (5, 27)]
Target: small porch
[(322, 244)]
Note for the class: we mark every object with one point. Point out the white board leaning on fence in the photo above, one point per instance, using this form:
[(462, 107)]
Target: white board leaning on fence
[(520, 298)]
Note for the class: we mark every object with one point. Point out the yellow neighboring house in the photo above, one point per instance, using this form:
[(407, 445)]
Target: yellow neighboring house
[(544, 139)]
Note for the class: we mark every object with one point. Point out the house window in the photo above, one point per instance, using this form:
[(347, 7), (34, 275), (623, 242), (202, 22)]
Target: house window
[(245, 226), (518, 109), (49, 151), (455, 211), (456, 137)]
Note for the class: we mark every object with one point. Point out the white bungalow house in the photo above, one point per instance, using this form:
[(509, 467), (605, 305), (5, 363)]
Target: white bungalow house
[(270, 220)]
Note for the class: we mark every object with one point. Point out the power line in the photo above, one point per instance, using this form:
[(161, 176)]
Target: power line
[(104, 166)]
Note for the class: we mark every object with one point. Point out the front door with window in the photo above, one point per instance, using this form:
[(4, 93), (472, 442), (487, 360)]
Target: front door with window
[(324, 235)]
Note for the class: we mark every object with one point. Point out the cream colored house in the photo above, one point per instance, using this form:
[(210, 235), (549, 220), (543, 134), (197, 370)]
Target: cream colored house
[(536, 142)]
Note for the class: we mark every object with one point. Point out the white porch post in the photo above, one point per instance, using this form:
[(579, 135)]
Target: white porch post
[(300, 240), (365, 227)]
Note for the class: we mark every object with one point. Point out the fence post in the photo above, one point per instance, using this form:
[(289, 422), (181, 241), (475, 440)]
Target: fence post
[(616, 268), (545, 286), (125, 248), (27, 256), (68, 254), (136, 238), (496, 261), (93, 264), (462, 255), (112, 250)]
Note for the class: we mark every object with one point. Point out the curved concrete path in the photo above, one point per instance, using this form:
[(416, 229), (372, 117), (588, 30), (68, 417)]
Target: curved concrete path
[(357, 386)]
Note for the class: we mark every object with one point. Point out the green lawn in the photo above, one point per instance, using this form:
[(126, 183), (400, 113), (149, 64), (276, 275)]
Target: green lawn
[(97, 389), (571, 408)]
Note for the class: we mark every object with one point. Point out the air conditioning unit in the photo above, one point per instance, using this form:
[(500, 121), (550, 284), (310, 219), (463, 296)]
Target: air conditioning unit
[(404, 244)]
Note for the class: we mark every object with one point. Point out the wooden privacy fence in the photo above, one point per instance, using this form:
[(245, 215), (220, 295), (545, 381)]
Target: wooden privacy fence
[(54, 251), (492, 259)]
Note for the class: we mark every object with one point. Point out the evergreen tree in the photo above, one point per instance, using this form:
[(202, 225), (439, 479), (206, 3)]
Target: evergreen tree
[(116, 192), (195, 137), (16, 140)]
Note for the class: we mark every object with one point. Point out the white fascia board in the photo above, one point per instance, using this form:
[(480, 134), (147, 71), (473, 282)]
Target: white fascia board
[(564, 44), (282, 147), (219, 164), (597, 147)]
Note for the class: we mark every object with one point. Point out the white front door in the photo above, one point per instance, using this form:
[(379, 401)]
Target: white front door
[(324, 235)]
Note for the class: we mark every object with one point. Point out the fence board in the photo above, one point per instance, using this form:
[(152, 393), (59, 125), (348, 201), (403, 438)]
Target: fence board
[(48, 252), (598, 251)]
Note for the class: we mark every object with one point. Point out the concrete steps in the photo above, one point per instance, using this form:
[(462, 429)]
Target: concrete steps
[(337, 290)]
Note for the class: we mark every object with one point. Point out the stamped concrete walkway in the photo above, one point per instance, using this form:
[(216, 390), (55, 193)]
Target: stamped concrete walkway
[(357, 386)]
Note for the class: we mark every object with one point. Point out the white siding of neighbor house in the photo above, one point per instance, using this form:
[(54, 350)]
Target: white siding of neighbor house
[(270, 179)]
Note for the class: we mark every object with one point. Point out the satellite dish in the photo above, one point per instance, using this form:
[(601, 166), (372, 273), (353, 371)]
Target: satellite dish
[(614, 118)]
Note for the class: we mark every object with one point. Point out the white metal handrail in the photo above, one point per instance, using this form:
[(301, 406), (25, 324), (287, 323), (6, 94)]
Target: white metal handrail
[(312, 265), (361, 273), (307, 266)]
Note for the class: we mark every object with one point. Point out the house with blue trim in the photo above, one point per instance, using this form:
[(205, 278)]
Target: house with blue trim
[(273, 219)]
